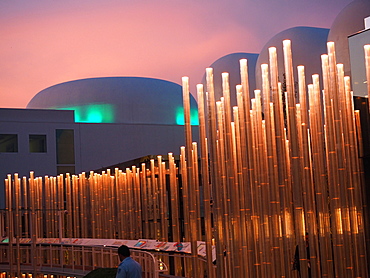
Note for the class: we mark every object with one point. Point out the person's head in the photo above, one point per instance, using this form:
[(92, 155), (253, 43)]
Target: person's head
[(123, 252)]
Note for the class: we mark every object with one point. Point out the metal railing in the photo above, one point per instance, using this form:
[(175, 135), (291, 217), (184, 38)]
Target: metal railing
[(69, 260)]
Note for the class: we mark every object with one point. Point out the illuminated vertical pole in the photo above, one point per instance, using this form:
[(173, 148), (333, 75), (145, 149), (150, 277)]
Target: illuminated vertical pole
[(106, 200), (285, 189), (52, 208), (271, 166), (295, 161), (67, 182), (320, 174), (240, 192), (125, 208), (138, 207), (93, 186), (32, 221), (83, 202), (60, 203), (154, 199), (98, 210), (351, 152), (25, 205), (46, 212), (251, 178), (119, 200), (308, 185), (345, 172), (145, 197), (223, 186), (262, 187), (196, 189), (216, 185), (175, 213), (162, 198), (276, 119), (192, 200), (76, 207), (17, 219), (255, 191), (113, 215), (331, 139), (230, 183), (10, 223), (244, 180), (196, 200), (205, 180)]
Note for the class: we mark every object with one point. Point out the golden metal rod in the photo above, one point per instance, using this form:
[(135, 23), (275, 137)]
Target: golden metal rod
[(216, 185), (145, 198), (308, 185), (334, 155), (205, 181), (245, 182), (239, 182), (196, 201), (191, 188), (239, 191), (295, 161), (153, 200), (162, 198), (279, 121), (272, 173), (225, 200), (196, 189), (230, 182)]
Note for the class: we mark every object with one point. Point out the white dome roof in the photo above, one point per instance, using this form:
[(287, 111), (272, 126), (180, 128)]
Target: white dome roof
[(116, 100)]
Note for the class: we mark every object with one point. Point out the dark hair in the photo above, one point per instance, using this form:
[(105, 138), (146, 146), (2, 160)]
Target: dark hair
[(124, 251)]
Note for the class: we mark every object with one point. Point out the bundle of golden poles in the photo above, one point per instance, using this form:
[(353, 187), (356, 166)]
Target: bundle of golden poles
[(277, 186), (285, 173)]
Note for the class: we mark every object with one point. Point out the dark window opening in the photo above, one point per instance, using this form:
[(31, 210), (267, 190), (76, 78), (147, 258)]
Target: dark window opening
[(37, 143), (8, 143), (65, 146)]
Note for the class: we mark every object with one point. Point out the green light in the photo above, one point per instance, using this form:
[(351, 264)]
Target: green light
[(93, 113), (194, 120)]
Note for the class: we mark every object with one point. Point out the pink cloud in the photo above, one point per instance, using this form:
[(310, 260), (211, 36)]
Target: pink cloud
[(45, 45)]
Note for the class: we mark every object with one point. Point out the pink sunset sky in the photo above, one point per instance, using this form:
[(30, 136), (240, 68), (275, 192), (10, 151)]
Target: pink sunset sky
[(45, 42)]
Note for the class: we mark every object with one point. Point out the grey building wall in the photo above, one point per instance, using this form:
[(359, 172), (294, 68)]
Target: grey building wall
[(95, 145), (107, 144)]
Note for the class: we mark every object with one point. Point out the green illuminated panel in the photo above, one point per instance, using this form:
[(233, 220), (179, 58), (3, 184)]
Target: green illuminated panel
[(194, 120), (93, 113)]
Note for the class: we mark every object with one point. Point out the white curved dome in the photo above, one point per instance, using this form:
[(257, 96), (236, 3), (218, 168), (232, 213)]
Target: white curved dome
[(116, 100), (349, 21), (308, 44), (230, 63)]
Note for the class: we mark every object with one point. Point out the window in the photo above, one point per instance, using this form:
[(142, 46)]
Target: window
[(8, 143), (65, 146), (37, 143)]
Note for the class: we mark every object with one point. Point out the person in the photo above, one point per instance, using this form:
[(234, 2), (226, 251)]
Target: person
[(128, 268)]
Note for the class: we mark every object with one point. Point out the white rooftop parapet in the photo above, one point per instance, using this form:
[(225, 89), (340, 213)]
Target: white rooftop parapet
[(367, 22)]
